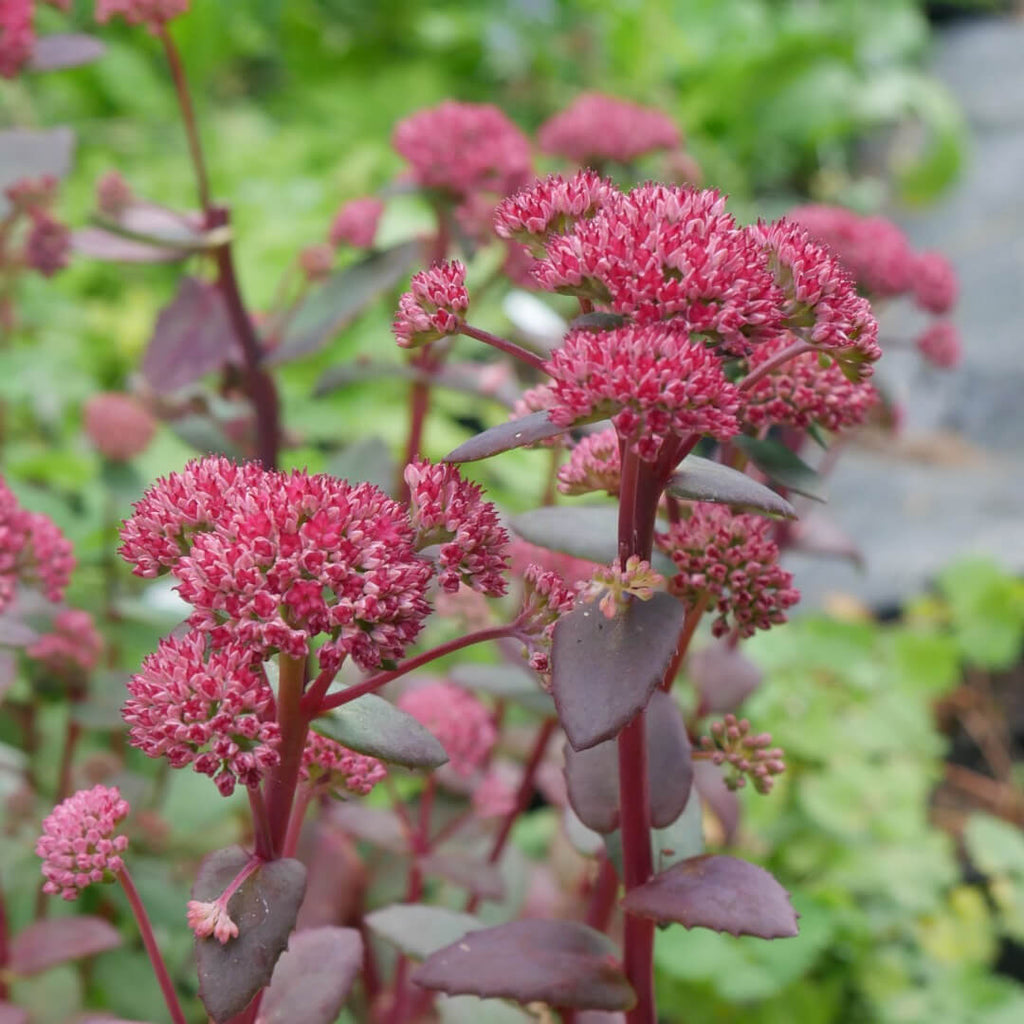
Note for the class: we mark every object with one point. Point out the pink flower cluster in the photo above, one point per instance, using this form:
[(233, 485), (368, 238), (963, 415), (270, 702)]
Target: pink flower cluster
[(209, 709), (495, 794), (79, 845), (356, 222), (151, 13), (730, 561), (72, 648), (940, 345), (113, 195), (550, 207), (17, 36), (596, 128), (325, 760), (269, 560), (464, 148), (433, 306), (653, 381), (118, 425), (546, 597), (32, 550), (34, 238), (595, 464), (802, 392), (746, 756), (450, 511), (462, 725)]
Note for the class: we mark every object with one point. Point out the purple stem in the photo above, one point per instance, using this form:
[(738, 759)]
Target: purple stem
[(503, 345)]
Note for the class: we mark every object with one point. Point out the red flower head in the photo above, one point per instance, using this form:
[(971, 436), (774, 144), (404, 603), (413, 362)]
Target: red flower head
[(356, 222), (461, 148), (434, 305), (935, 283), (151, 13), (118, 425), (79, 845), (462, 725), (325, 760), (72, 648), (211, 710), (47, 245), (654, 382), (669, 253), (940, 345), (450, 511), (802, 391), (596, 128), (551, 207), (17, 36), (732, 562), (822, 301), (595, 464)]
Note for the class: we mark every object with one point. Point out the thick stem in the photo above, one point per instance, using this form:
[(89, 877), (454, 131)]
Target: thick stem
[(294, 725), (260, 824), (503, 345), (152, 949), (336, 700), (260, 385), (188, 116)]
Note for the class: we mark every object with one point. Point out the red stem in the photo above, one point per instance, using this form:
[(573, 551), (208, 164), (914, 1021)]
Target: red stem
[(381, 678), (503, 345), (603, 895), (152, 949), (690, 623), (71, 735), (796, 349)]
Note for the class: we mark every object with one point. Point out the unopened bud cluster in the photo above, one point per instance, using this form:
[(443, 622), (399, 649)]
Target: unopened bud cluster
[(743, 755)]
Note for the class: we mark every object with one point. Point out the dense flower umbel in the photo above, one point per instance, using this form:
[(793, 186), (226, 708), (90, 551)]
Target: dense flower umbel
[(596, 128), (803, 391), (326, 761), (654, 382), (72, 648), (47, 244), (935, 284), (546, 597), (940, 344), (450, 511), (821, 297), (118, 425), (595, 464), (271, 560), (17, 36), (433, 306), (743, 755), (32, 550), (151, 13), (460, 722), (550, 207), (356, 222), (210, 709), (663, 252), (732, 562), (79, 845), (462, 148)]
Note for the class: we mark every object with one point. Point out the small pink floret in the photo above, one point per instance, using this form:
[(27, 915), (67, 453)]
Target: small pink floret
[(356, 222), (433, 306)]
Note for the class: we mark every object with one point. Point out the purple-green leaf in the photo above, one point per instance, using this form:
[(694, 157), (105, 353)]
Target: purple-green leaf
[(475, 875), (193, 336), (313, 978), (782, 466), (372, 725), (28, 153), (561, 963), (699, 479), (724, 894), (517, 433), (341, 298), (264, 908), (592, 775), (98, 244), (418, 930), (47, 943), (65, 50), (603, 671), (723, 676)]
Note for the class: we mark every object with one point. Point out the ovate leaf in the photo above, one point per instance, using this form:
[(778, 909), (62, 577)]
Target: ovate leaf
[(782, 466), (46, 943), (723, 676), (529, 429), (419, 930), (65, 50), (700, 479)]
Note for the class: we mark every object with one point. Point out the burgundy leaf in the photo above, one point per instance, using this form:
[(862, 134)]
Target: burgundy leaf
[(819, 534), (11, 1014), (592, 775), (782, 466), (561, 963), (700, 479), (65, 50), (313, 978), (419, 930), (193, 336), (46, 943), (264, 908), (374, 825), (341, 298), (603, 671), (376, 727), (721, 893), (723, 676), (471, 873), (28, 153), (722, 801), (98, 244), (505, 436)]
